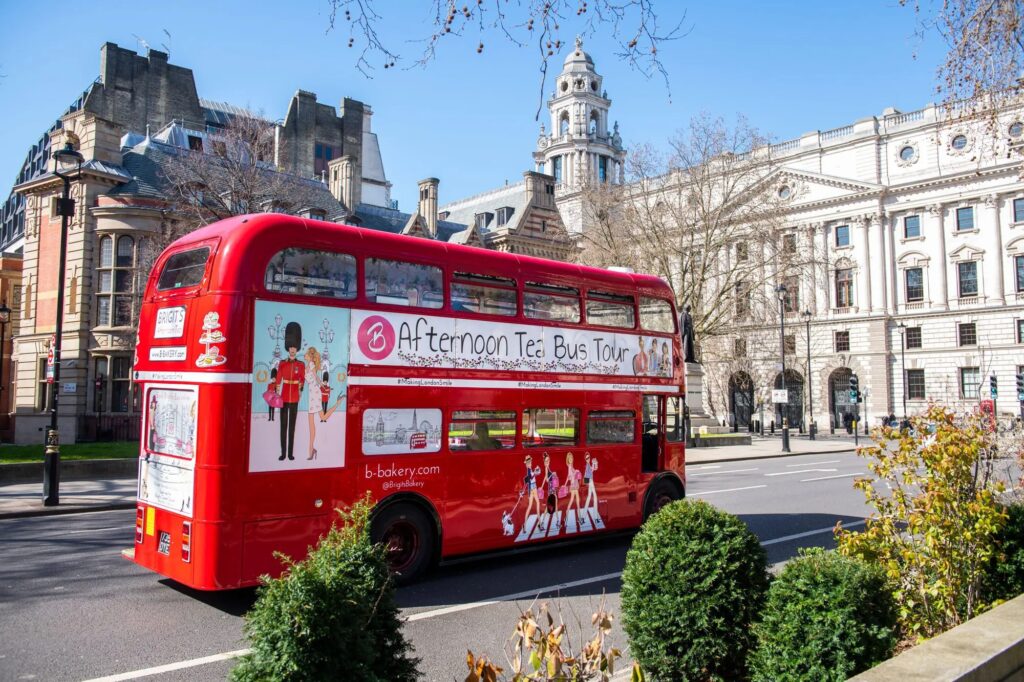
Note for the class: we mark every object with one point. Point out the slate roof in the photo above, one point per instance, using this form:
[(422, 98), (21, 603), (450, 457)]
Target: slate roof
[(394, 221), (464, 211)]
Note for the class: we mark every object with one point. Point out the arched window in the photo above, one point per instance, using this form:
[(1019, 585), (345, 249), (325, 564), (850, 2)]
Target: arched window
[(563, 124), (115, 287), (593, 123)]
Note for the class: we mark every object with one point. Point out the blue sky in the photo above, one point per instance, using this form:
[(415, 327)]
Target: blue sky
[(468, 119)]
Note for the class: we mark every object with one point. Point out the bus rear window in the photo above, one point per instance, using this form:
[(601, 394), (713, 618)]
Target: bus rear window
[(312, 273), (184, 269)]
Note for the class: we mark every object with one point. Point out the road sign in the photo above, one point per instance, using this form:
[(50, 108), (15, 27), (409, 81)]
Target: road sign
[(780, 395)]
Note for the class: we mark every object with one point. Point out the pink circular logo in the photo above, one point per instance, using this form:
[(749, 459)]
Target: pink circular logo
[(376, 337)]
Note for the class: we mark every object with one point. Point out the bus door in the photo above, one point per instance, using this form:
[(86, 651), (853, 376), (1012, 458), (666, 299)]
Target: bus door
[(652, 436), (675, 434)]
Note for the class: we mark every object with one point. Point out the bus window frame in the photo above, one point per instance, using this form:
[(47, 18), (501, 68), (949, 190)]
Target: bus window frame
[(516, 287), (586, 298), (185, 292), (450, 419)]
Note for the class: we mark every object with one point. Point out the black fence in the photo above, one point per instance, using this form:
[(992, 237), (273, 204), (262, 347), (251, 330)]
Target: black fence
[(106, 427)]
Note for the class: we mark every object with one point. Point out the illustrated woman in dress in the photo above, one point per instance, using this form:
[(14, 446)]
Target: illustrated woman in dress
[(312, 359), (530, 487), (640, 362), (588, 480), (573, 477)]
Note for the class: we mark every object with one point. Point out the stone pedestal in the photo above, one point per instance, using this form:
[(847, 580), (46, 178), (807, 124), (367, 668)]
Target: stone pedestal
[(699, 418)]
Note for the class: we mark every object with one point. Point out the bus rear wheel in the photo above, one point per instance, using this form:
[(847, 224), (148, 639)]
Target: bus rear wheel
[(660, 494), (408, 539)]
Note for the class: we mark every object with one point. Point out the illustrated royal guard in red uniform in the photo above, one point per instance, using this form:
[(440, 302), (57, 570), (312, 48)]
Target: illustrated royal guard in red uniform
[(290, 380)]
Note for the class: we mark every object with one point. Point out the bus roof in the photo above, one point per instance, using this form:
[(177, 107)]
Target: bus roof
[(259, 237)]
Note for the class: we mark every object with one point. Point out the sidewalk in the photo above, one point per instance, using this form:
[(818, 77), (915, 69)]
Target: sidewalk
[(101, 494)]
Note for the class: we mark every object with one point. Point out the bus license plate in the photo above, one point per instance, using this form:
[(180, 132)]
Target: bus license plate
[(164, 547)]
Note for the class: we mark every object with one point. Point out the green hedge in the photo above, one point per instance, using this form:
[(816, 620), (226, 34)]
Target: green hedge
[(332, 616), (1005, 575), (828, 617), (694, 582)]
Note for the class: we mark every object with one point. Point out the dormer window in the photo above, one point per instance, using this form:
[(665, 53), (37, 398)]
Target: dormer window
[(505, 215), (482, 220), (443, 215)]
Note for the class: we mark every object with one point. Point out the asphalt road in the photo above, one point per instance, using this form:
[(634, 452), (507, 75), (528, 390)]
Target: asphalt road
[(72, 609)]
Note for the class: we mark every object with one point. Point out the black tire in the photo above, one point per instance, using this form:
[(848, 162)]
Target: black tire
[(661, 493), (409, 538)]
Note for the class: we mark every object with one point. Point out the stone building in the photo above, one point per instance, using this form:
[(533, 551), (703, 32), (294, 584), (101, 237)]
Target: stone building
[(140, 111), (912, 225)]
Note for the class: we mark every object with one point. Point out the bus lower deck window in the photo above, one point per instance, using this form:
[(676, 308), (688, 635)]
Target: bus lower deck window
[(481, 430), (611, 426), (551, 427)]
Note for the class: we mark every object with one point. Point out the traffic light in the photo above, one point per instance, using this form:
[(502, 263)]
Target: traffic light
[(854, 388), (1020, 386), (992, 387)]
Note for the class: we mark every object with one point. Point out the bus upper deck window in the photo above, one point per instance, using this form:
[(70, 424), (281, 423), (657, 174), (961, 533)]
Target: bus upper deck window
[(400, 283), (656, 315), (610, 310), (308, 272), (483, 294), (184, 269), (549, 302)]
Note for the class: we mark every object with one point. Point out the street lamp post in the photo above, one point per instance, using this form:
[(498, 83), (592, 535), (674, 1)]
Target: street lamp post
[(903, 365), (813, 428), (5, 317), (780, 291), (66, 160)]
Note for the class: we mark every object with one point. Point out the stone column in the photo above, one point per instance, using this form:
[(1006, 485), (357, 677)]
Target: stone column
[(890, 262), (939, 271), (877, 271), (995, 287), (822, 287), (862, 256)]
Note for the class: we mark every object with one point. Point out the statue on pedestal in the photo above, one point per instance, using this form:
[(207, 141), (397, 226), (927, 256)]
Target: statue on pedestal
[(686, 330)]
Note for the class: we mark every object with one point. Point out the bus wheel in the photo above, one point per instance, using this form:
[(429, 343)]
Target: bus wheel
[(661, 493), (408, 539)]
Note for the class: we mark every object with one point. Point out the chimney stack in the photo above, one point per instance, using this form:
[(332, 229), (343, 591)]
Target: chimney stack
[(428, 204)]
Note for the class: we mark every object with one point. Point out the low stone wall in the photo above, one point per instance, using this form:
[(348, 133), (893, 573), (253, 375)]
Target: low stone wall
[(721, 440), (71, 470), (989, 648)]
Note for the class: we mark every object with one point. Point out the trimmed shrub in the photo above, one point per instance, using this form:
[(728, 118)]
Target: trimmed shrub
[(331, 616), (1005, 576), (694, 582), (828, 617)]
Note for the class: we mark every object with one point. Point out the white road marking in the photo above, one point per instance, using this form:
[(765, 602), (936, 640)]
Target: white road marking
[(804, 471), (434, 613), (813, 464), (525, 594), (58, 517), (807, 534), (825, 478), (694, 467), (730, 490), (171, 667), (730, 471), (98, 530)]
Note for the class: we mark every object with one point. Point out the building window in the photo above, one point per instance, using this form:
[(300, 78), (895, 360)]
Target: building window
[(195, 143), (1018, 267), (970, 383), (742, 300), (120, 384), (967, 333), (741, 251), (959, 142), (44, 390), (965, 218), (602, 168), (908, 153), (739, 348), (844, 288), (1016, 129), (789, 243), (912, 226), (99, 387), (785, 192), (505, 215), (914, 278), (842, 235), (1018, 210), (789, 343), (967, 278), (1020, 331), (116, 277), (842, 342), (556, 164), (322, 155), (791, 300), (913, 337), (915, 384)]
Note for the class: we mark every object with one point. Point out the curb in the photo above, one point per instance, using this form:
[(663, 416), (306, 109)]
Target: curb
[(71, 470), (71, 509), (776, 456)]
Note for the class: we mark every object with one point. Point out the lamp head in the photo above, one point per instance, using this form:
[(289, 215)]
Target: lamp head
[(67, 160), (780, 291), (5, 313)]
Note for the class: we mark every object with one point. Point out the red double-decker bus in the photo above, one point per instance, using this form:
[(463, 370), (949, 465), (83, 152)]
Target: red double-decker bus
[(486, 401)]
